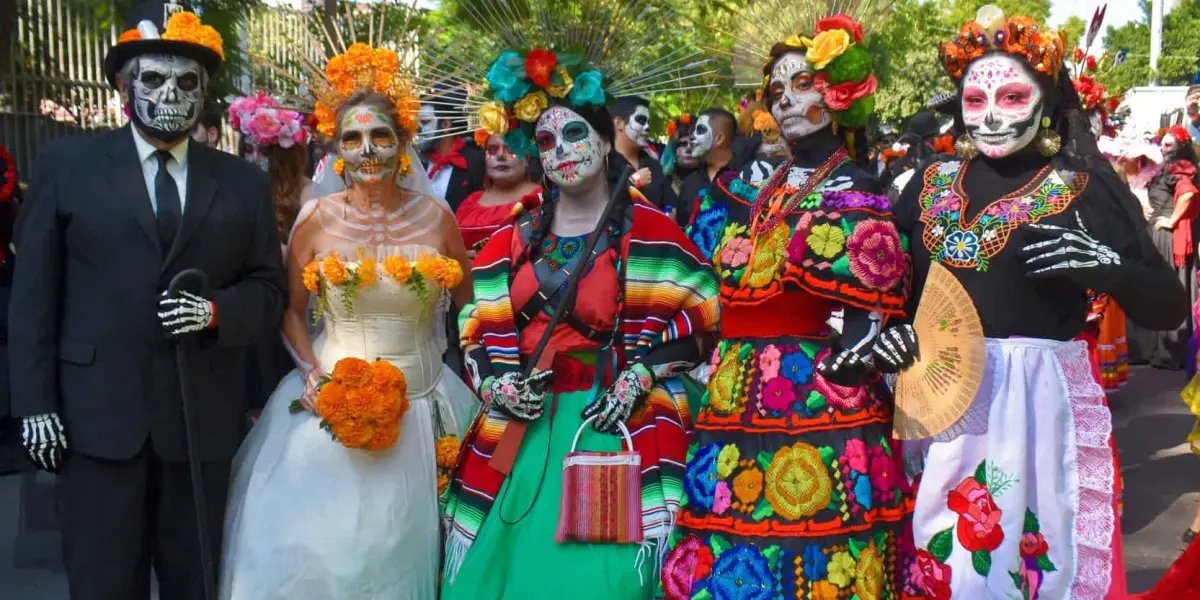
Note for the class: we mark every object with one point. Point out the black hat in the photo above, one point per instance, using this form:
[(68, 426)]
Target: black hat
[(157, 13)]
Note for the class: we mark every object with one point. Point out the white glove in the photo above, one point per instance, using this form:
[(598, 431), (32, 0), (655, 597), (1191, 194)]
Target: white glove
[(44, 440), (184, 313)]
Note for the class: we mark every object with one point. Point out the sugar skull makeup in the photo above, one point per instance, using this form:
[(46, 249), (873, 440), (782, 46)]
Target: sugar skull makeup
[(683, 145), (1001, 105), (792, 94), (369, 145), (427, 124), (702, 137), (638, 126), (572, 151), (1169, 147), (166, 93), (503, 167)]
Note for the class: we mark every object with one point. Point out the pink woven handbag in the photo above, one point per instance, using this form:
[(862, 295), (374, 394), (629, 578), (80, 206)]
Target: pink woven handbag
[(601, 495)]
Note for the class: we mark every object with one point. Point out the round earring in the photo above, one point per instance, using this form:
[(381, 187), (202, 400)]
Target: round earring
[(1048, 140), (964, 148)]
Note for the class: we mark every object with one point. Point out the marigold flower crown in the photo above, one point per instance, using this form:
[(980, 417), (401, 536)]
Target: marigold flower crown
[(184, 26), (991, 31), (363, 68)]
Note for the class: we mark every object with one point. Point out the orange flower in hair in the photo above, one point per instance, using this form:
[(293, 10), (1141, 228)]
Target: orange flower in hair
[(130, 35)]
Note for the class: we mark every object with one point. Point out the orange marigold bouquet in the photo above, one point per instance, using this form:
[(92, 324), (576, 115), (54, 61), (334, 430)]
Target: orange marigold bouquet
[(447, 458), (361, 403)]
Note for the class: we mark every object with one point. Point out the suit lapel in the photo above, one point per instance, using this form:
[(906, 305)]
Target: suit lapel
[(201, 188), (128, 182)]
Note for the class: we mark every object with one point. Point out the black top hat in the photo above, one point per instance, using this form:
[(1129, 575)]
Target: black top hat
[(156, 12)]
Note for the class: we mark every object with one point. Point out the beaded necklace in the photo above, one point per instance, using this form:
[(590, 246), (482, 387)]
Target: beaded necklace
[(782, 205)]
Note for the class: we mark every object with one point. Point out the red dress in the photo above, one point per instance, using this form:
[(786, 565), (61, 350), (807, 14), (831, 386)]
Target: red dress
[(477, 222)]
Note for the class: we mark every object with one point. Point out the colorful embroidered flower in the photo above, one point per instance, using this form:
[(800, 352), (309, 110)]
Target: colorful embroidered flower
[(840, 396), (815, 562), (883, 474), (842, 569), (1030, 578), (797, 367), (855, 455), (768, 363), (778, 394), (1033, 545), (736, 252), (798, 246), (876, 256), (722, 498), (506, 78), (862, 491), (978, 516), (748, 486), (944, 203), (931, 576), (826, 240), (723, 392), (689, 562), (706, 229), (727, 461), (589, 89), (700, 480), (742, 572), (539, 64), (868, 579), (798, 484), (962, 246), (824, 590), (769, 257)]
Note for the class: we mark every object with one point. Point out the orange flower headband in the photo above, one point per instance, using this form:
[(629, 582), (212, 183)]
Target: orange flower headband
[(184, 26), (1019, 36), (363, 68)]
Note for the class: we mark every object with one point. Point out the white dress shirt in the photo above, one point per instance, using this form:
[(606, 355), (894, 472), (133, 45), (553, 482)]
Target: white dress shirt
[(176, 168), (441, 181)]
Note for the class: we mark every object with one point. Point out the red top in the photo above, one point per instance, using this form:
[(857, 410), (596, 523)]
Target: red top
[(477, 222), (595, 305)]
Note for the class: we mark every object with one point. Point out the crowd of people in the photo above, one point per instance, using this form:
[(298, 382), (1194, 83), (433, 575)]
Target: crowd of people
[(482, 336)]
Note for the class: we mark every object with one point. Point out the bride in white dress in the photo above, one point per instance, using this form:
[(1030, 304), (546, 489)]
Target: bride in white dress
[(308, 518)]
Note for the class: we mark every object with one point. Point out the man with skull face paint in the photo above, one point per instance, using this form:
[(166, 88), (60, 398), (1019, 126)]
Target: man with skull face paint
[(631, 146), (111, 220), (1028, 473), (712, 148), (788, 400), (455, 164)]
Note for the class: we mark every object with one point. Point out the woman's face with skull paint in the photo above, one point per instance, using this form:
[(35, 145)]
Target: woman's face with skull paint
[(792, 95), (368, 144), (1001, 105), (572, 151)]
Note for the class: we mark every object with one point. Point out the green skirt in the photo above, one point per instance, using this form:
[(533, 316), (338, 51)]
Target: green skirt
[(521, 561)]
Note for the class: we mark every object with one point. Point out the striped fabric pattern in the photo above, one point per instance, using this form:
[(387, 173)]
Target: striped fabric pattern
[(601, 498), (671, 293)]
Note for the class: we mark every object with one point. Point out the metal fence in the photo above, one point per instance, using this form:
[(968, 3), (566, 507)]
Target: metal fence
[(54, 84)]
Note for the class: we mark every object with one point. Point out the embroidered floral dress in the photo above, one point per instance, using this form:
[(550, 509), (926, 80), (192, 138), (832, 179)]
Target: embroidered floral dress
[(794, 487)]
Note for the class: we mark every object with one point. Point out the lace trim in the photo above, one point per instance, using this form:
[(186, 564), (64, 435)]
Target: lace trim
[(1095, 521)]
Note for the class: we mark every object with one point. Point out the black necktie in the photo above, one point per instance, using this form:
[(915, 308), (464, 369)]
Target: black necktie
[(169, 207)]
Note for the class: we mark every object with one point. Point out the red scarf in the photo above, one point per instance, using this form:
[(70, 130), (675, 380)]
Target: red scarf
[(453, 158), (1184, 173)]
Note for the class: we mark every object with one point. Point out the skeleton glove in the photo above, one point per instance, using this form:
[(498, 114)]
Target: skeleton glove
[(896, 349), (521, 398), (848, 363), (618, 403), (185, 313), (44, 440), (1054, 251)]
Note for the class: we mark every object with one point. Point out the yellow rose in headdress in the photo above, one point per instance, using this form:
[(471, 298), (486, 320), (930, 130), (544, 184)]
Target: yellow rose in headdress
[(493, 118), (530, 107), (560, 91), (827, 46)]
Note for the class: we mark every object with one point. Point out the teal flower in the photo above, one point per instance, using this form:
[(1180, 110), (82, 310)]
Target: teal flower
[(589, 89), (518, 141), (507, 79)]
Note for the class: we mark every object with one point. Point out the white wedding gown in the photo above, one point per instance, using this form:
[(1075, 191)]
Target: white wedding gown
[(309, 519)]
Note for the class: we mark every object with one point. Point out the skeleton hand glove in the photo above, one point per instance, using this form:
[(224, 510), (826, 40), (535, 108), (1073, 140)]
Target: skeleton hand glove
[(185, 313), (44, 440), (523, 399), (626, 394), (1071, 253), (896, 349), (850, 348)]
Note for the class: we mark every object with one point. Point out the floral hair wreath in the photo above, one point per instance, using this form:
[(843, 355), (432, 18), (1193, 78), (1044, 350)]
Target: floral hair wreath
[(262, 119), (1020, 36), (1178, 132), (844, 73), (521, 86), (184, 26), (363, 68)]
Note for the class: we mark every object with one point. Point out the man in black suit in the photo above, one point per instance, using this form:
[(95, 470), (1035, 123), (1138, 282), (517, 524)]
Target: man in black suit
[(455, 165), (631, 120), (109, 221)]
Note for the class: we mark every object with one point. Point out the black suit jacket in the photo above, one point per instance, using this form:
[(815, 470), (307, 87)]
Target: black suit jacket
[(464, 182), (659, 192), (84, 332)]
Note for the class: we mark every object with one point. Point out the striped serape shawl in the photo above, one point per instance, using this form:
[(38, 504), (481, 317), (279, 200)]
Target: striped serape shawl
[(671, 293)]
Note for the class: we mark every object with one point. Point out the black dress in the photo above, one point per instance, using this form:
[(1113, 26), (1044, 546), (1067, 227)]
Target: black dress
[(1169, 348)]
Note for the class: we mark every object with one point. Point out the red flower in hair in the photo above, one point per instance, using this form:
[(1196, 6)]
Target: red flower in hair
[(1180, 134), (1091, 94), (539, 65), (854, 28)]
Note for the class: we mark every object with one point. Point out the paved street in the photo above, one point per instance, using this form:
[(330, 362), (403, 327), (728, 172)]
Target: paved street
[(1162, 479)]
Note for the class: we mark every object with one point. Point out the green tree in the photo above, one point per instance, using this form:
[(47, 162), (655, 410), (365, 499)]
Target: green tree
[(907, 64), (1176, 66)]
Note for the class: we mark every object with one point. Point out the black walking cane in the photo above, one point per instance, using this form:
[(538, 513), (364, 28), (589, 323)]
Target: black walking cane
[(505, 454), (195, 281)]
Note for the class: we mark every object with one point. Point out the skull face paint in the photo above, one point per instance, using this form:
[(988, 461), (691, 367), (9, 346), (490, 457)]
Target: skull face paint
[(503, 167), (572, 151), (427, 124), (1169, 147), (369, 145), (792, 95), (1001, 105), (702, 137), (167, 95), (638, 126), (683, 145)]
